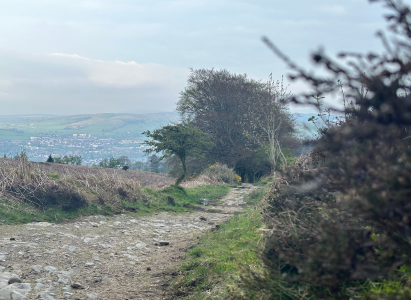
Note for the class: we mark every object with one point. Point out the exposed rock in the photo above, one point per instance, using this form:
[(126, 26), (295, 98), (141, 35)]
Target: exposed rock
[(67, 288), (45, 296), (88, 240), (68, 295), (14, 279), (5, 294), (37, 268), (15, 291), (72, 248), (63, 279), (42, 224), (16, 267), (141, 245), (76, 285), (163, 243), (92, 296), (49, 269), (17, 296), (39, 286)]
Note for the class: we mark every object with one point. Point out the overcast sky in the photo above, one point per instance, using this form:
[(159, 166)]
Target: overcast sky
[(75, 57)]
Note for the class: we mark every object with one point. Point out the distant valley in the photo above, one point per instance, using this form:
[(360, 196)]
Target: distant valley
[(93, 137), (116, 126)]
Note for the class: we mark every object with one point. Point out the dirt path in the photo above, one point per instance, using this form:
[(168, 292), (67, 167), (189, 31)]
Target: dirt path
[(104, 258)]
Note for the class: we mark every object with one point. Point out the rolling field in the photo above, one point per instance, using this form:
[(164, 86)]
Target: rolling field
[(102, 125)]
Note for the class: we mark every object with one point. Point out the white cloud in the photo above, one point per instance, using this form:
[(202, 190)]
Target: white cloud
[(49, 82), (121, 74), (130, 74), (333, 9)]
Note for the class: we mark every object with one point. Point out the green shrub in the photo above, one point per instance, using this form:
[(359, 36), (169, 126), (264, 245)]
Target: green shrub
[(50, 159), (222, 173)]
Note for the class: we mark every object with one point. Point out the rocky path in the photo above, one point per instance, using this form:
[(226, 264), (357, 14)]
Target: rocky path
[(97, 257)]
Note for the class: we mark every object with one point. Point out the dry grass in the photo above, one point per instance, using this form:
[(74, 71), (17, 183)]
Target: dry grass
[(71, 187), (200, 180), (145, 179)]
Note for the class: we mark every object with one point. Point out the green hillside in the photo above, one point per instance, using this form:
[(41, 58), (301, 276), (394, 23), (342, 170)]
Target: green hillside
[(102, 125)]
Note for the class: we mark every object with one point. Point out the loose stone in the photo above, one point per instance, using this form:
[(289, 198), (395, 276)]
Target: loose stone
[(49, 269), (37, 268), (45, 296), (141, 245), (39, 286), (76, 285), (14, 279)]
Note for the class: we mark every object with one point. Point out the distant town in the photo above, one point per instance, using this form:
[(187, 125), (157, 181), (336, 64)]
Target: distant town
[(92, 149)]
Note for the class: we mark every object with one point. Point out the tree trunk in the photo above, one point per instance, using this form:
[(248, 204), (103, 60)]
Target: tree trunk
[(182, 176)]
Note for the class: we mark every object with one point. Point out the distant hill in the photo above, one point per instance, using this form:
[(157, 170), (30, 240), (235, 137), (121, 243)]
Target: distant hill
[(119, 126), (103, 125)]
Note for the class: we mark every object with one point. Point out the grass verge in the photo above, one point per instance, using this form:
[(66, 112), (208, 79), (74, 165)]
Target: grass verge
[(213, 269), (173, 199)]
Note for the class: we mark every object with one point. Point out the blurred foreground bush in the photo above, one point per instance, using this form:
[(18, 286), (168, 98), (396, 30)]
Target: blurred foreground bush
[(339, 220)]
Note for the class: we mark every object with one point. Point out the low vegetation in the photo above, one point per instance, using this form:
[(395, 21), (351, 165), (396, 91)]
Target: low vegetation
[(338, 220), (221, 173), (30, 192), (213, 268)]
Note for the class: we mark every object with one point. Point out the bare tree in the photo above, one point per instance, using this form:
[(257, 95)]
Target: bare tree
[(268, 120)]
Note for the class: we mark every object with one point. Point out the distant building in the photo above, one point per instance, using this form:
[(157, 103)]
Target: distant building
[(74, 134)]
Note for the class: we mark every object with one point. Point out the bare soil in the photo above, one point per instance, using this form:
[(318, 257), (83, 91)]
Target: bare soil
[(119, 258)]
